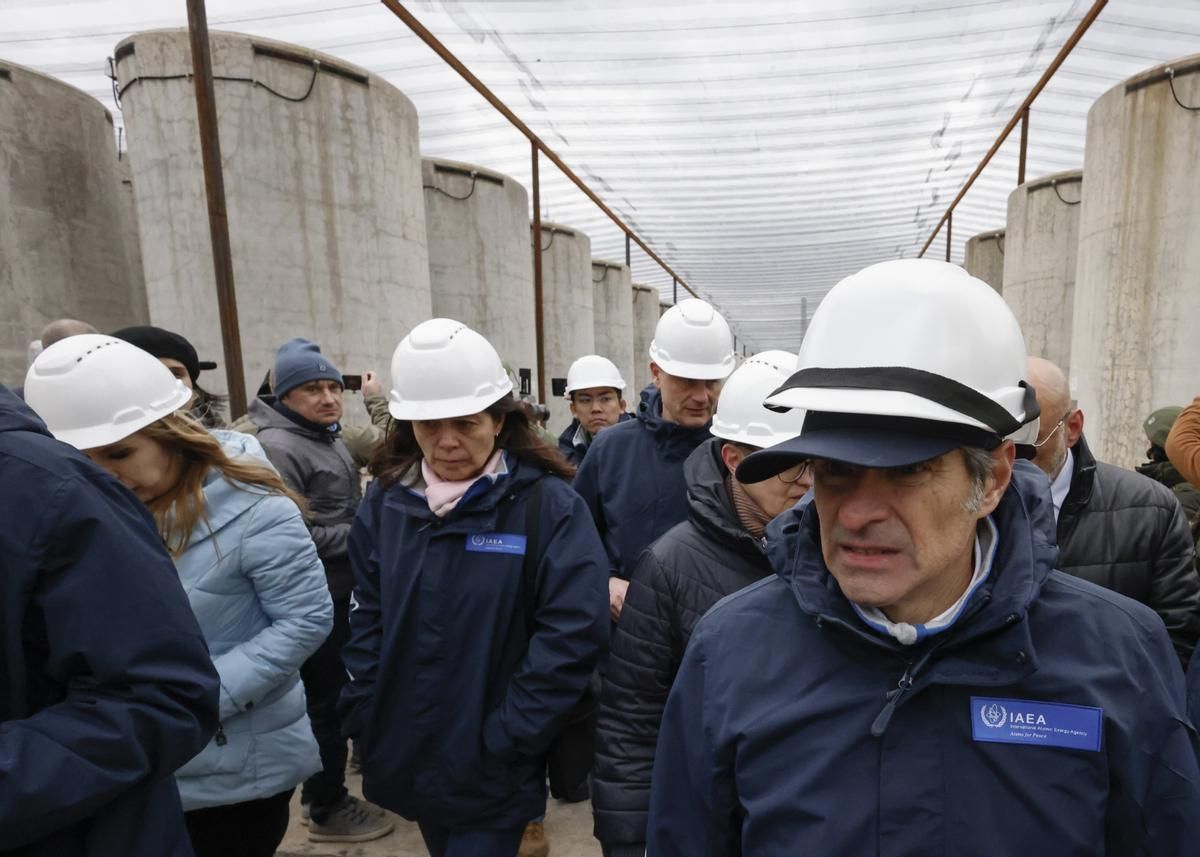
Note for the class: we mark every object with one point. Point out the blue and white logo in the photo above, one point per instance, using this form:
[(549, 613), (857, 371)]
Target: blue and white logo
[(509, 543), (994, 716), (1044, 724)]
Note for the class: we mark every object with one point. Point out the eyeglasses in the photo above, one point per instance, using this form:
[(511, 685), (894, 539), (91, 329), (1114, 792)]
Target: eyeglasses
[(795, 473), (1053, 431)]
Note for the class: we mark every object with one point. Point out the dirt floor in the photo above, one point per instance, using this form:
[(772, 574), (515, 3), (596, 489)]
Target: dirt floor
[(568, 830)]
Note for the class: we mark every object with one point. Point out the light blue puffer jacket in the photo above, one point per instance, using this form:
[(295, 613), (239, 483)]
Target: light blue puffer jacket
[(258, 590)]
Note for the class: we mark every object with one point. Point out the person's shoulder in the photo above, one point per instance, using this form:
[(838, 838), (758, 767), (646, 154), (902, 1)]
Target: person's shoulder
[(1128, 489), (1095, 609), (757, 612), (48, 463), (615, 438)]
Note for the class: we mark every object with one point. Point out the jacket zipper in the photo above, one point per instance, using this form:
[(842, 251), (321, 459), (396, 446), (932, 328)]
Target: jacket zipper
[(884, 717), (220, 736)]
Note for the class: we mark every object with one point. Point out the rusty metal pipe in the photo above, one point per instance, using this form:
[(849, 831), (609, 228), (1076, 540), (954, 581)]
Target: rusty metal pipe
[(218, 220), (539, 320), (1024, 146), (1058, 60)]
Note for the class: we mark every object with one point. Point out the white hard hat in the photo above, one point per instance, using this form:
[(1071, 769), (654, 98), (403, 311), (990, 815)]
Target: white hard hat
[(592, 370), (443, 369), (92, 390), (740, 415), (692, 340), (904, 361)]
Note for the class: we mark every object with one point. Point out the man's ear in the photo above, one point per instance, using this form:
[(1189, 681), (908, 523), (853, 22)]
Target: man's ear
[(1003, 457), (656, 374), (732, 456), (1074, 427)]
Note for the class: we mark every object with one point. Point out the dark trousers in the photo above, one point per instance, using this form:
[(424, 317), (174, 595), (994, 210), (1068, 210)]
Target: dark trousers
[(251, 829), (443, 842), (324, 677)]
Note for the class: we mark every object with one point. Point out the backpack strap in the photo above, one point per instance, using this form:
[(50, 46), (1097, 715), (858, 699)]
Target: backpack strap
[(529, 588)]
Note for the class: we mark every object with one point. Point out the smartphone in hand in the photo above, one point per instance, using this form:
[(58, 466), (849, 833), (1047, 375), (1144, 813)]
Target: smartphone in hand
[(352, 382)]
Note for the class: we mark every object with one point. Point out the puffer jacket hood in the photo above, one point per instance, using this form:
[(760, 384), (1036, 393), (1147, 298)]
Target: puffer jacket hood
[(835, 739), (710, 508), (1128, 533)]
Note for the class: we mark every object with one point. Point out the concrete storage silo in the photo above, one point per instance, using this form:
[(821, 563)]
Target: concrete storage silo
[(130, 238), (984, 257), (568, 313), (1042, 241), (1137, 277), (613, 287), (646, 312), (61, 253), (480, 265), (323, 189)]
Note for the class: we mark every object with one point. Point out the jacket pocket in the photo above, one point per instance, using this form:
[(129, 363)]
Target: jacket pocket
[(226, 753)]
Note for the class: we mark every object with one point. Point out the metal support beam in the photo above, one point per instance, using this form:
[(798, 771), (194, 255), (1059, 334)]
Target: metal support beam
[(674, 290), (1024, 146), (949, 232), (628, 254), (1058, 60), (218, 220), (442, 51), (539, 321)]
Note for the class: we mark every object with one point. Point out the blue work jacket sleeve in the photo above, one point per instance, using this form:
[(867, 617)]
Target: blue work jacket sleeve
[(280, 561), (361, 653), (570, 630), (587, 486), (139, 693), (692, 798), (645, 654)]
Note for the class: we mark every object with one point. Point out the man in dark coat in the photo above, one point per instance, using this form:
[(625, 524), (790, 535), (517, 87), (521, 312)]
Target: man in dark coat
[(106, 686), (1116, 528), (632, 478), (916, 677), (718, 550), (596, 392)]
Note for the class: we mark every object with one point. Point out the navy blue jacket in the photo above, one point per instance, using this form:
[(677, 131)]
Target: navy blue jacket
[(632, 480), (776, 738), (453, 702), (574, 452), (106, 686)]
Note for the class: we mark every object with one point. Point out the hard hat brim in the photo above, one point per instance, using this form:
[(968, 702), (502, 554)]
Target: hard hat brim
[(444, 409), (94, 437), (864, 441), (697, 371)]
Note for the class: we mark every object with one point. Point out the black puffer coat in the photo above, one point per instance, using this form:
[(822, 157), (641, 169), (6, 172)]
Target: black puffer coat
[(692, 567), (1128, 533)]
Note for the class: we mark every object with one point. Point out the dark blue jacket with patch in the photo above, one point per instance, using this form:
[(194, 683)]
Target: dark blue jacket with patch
[(793, 729), (632, 480), (106, 686), (454, 704)]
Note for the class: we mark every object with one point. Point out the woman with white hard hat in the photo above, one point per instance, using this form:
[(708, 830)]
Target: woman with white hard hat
[(246, 561), (481, 601), (595, 390), (719, 549)]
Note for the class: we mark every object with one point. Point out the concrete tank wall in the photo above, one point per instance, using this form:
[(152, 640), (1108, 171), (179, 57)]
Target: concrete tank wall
[(60, 197), (646, 312), (1137, 283), (1042, 242), (984, 257), (568, 314), (130, 238), (480, 264), (613, 286), (326, 219)]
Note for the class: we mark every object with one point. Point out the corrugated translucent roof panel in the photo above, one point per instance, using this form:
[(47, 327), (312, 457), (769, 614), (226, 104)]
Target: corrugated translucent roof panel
[(764, 149)]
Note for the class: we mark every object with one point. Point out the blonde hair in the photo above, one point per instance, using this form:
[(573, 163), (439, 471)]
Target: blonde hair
[(180, 509)]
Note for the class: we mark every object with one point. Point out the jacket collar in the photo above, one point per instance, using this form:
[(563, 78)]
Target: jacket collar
[(268, 412), (710, 508), (15, 415), (479, 510), (670, 436), (1083, 478)]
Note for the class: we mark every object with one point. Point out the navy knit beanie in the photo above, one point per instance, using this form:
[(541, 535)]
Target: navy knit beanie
[(299, 361)]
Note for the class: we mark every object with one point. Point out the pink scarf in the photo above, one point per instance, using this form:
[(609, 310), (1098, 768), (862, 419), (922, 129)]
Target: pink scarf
[(443, 495)]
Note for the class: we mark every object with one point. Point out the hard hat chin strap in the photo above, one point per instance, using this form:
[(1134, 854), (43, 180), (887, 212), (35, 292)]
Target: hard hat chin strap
[(936, 388)]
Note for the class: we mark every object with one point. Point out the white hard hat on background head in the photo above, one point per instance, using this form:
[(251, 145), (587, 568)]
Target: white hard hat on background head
[(593, 370), (92, 390), (740, 415), (443, 369), (903, 362), (693, 340)]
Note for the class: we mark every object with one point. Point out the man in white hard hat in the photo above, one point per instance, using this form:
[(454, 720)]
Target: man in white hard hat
[(632, 477), (596, 392), (917, 677), (718, 550)]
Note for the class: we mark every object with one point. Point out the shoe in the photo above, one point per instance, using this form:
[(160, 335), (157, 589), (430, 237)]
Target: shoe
[(353, 820), (533, 842)]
